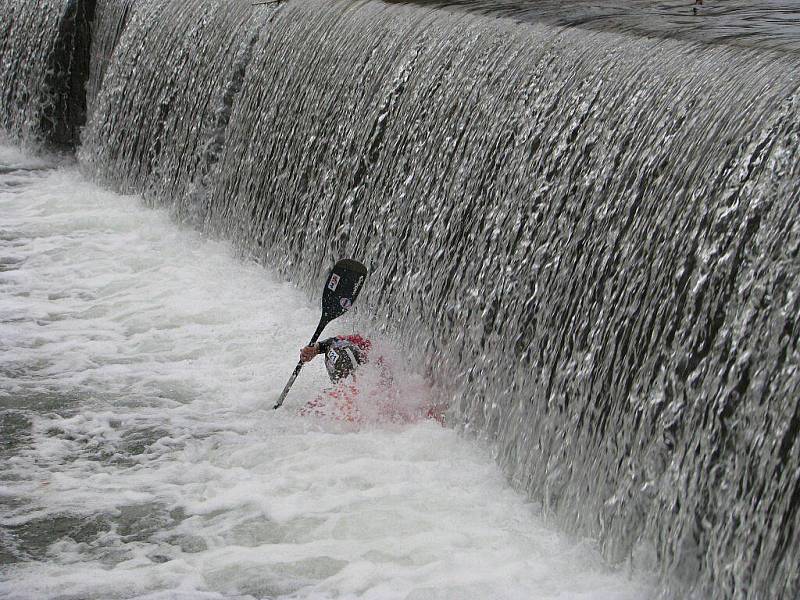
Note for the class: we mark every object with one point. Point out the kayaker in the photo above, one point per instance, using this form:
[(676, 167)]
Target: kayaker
[(343, 354)]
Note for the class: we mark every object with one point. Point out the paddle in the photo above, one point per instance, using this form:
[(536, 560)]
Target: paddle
[(341, 290)]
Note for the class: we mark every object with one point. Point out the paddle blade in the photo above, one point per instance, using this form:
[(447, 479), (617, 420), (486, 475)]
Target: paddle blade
[(342, 287)]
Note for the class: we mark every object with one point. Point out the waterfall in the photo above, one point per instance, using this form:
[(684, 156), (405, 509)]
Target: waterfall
[(110, 19), (593, 238), (590, 240), (44, 60), (139, 137)]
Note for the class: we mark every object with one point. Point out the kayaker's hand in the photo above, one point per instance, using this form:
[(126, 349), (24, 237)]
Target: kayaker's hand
[(307, 353)]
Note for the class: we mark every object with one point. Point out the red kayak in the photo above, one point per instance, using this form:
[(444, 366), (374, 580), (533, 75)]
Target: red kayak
[(368, 392), (371, 404)]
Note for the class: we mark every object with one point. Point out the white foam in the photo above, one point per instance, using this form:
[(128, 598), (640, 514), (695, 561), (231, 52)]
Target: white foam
[(147, 359)]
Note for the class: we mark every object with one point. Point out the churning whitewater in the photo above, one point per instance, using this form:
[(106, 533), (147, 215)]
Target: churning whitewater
[(141, 457)]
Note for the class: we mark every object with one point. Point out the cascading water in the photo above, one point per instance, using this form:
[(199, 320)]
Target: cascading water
[(591, 238), (194, 74), (110, 19), (595, 236), (42, 99)]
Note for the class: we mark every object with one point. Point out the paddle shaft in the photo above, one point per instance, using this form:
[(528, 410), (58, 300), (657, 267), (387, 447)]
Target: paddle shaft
[(322, 323)]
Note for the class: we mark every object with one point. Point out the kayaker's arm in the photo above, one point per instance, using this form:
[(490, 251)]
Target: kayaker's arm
[(309, 352)]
